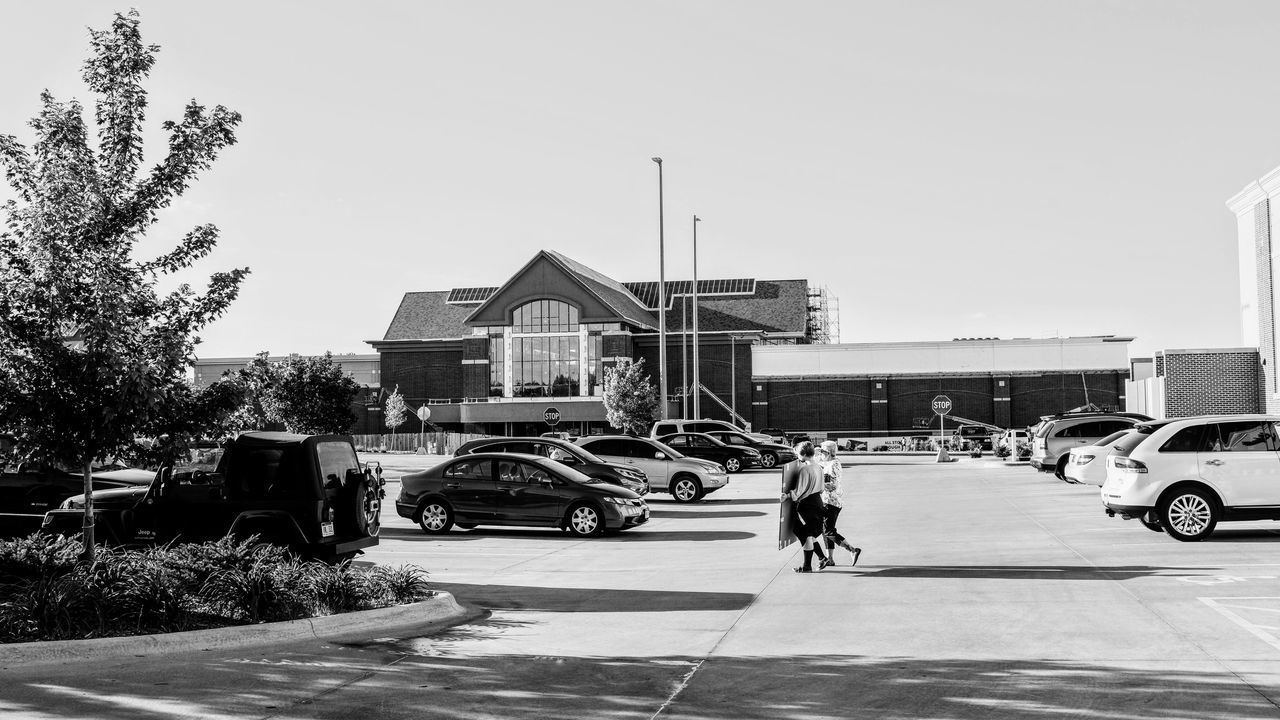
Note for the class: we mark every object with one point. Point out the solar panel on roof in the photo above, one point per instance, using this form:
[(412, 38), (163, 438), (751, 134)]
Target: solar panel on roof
[(463, 296)]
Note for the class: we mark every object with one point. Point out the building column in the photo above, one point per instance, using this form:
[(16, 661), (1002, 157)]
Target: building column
[(1001, 410), (880, 405)]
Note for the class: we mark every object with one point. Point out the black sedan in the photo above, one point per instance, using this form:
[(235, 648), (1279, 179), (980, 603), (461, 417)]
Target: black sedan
[(30, 488), (771, 453), (567, 453), (704, 446), (515, 489)]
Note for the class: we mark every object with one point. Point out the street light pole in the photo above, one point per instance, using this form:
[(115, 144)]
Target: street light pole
[(733, 377), (684, 358), (697, 382), (662, 302)]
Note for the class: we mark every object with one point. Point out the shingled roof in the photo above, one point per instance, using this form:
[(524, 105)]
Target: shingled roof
[(610, 291), (426, 316), (777, 306)]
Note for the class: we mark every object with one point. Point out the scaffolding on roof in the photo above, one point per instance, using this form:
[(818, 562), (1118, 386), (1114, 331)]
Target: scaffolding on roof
[(822, 326)]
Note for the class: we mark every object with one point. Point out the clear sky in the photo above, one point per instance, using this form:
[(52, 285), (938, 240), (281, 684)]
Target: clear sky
[(946, 169)]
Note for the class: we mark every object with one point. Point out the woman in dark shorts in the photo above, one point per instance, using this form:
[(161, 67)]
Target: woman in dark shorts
[(807, 495)]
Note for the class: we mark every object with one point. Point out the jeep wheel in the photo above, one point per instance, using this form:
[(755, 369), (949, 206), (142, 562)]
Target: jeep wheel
[(435, 518), (686, 489), (585, 521), (733, 465), (768, 460), (1188, 515)]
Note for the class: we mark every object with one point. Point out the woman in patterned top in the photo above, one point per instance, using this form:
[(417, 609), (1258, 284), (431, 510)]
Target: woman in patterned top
[(833, 501)]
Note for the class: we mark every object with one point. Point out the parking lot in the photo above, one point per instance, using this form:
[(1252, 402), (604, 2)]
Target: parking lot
[(986, 590)]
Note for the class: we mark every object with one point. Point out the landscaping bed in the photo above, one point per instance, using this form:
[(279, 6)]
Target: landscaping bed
[(46, 593)]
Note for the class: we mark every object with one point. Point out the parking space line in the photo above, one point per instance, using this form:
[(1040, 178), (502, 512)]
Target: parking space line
[(1224, 606)]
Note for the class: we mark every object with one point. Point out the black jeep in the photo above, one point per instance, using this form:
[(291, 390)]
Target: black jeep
[(307, 492)]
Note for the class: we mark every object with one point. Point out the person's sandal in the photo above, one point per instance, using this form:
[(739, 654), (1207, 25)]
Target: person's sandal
[(856, 553), (803, 570), (825, 563)]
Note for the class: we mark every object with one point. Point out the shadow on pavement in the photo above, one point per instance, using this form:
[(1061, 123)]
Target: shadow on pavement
[(440, 678), (1018, 572), (638, 534), (563, 599), (705, 514)]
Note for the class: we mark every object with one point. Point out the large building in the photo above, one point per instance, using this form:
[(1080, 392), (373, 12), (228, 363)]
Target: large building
[(494, 359), (1257, 258)]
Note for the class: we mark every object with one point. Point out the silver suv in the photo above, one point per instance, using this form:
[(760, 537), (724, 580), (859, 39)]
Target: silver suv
[(686, 478), (1055, 435)]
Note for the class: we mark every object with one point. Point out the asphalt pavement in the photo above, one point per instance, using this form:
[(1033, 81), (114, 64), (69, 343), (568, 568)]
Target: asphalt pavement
[(986, 590)]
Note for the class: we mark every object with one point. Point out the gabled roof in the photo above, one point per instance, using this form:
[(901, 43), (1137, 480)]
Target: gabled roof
[(609, 292)]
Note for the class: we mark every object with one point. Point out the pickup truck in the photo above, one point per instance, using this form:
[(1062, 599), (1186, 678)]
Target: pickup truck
[(306, 492)]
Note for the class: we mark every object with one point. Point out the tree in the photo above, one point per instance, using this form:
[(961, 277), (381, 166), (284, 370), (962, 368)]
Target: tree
[(92, 354), (395, 412), (630, 400), (310, 395)]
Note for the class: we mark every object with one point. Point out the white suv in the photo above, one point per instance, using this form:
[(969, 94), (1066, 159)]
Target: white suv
[(1057, 434), (663, 428), (1186, 475)]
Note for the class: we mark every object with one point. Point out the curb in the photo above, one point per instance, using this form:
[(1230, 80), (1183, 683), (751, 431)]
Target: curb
[(439, 610)]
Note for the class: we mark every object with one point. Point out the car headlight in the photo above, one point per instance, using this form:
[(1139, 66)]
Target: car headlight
[(616, 500), (752, 452)]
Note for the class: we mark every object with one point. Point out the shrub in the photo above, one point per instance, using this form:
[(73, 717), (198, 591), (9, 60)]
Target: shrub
[(400, 584)]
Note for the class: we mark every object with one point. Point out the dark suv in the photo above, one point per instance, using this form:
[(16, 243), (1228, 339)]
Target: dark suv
[(566, 453), (307, 492)]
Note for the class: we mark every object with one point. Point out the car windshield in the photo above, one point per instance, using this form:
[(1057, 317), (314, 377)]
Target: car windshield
[(202, 459), (1134, 437)]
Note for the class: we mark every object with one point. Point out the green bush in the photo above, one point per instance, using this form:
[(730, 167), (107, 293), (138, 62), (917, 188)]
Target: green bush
[(45, 594)]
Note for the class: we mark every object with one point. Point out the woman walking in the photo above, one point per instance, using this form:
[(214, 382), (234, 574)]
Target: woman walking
[(807, 495), (833, 502)]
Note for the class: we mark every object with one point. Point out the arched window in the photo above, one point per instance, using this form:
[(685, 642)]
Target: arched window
[(545, 316)]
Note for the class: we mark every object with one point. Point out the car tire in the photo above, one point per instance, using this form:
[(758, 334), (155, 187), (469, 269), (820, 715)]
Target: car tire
[(686, 489), (435, 518), (1151, 521), (1188, 514), (733, 465), (1060, 470), (768, 460), (585, 520)]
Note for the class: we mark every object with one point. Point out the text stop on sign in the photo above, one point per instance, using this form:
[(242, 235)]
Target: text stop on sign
[(941, 405)]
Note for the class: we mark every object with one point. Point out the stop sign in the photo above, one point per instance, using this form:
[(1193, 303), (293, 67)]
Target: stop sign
[(424, 413), (552, 416), (941, 405)]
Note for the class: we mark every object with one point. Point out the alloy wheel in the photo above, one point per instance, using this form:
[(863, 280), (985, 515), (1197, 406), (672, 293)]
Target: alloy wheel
[(1189, 514), (732, 465), (584, 521), (434, 518)]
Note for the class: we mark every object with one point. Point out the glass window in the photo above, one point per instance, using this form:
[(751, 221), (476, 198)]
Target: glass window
[(335, 459), (510, 471), (678, 441), (1106, 427), (1188, 439), (1241, 437), (471, 469)]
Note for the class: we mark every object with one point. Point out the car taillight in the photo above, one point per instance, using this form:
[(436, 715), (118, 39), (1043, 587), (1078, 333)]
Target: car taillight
[(1128, 464), (1084, 459)]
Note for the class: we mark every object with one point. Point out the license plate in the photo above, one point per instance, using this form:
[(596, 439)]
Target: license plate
[(326, 529)]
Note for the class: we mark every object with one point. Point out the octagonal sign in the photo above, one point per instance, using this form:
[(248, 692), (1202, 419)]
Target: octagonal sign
[(941, 405)]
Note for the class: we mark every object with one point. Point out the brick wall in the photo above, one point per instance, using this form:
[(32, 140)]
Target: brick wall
[(856, 405), (423, 374), (1211, 383)]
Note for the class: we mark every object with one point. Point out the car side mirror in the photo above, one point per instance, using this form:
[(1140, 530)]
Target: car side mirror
[(546, 482), (659, 456)]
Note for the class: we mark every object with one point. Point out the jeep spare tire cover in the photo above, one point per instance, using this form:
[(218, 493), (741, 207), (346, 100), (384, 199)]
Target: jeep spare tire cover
[(362, 507)]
